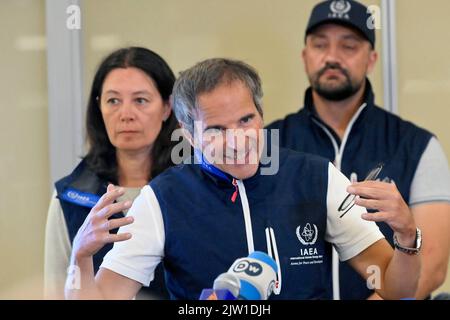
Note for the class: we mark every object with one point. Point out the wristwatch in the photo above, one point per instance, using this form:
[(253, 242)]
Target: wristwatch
[(417, 245)]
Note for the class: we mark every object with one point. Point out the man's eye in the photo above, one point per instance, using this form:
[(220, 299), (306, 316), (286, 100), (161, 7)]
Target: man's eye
[(319, 45), (246, 120), (348, 47)]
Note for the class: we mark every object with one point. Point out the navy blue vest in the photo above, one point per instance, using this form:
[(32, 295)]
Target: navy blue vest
[(78, 193), (376, 136), (205, 229)]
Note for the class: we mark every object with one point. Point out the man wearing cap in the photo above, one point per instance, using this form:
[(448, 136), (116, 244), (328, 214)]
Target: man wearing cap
[(340, 121)]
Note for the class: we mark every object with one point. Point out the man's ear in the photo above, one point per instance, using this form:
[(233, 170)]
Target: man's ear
[(373, 58), (304, 58)]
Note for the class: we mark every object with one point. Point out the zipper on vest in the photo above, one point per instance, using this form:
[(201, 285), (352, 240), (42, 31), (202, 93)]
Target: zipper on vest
[(338, 155), (236, 191), (339, 150)]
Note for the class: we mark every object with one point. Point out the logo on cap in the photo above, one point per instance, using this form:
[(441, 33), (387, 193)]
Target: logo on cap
[(339, 9)]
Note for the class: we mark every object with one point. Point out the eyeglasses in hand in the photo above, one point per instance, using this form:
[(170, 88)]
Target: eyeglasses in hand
[(349, 200)]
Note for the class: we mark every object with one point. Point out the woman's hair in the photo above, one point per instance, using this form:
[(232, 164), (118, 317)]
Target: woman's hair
[(101, 157)]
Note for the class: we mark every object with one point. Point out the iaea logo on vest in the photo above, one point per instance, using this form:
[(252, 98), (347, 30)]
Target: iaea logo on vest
[(309, 254), (75, 196), (308, 235)]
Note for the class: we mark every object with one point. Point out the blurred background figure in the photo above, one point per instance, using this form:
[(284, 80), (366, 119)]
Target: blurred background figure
[(129, 125)]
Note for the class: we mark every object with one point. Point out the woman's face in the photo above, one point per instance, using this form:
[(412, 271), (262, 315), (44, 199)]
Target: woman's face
[(132, 109)]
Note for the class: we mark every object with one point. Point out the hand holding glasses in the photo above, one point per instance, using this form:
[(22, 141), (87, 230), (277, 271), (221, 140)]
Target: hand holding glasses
[(349, 200)]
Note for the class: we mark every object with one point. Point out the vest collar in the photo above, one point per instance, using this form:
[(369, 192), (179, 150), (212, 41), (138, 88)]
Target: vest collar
[(218, 176), (224, 179), (82, 187), (368, 104)]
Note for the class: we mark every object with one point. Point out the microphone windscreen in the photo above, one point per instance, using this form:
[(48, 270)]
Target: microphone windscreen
[(257, 274), (228, 281)]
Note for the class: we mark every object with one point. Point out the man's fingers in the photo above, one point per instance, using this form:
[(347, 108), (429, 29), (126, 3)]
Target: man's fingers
[(112, 195), (377, 216), (114, 208), (110, 187), (370, 203), (372, 184), (369, 192), (108, 198), (117, 223), (118, 237)]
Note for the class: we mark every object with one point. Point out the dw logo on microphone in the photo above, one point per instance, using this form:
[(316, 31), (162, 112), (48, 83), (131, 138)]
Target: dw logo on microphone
[(252, 269)]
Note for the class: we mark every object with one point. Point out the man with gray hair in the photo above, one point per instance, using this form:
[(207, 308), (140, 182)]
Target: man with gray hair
[(198, 218)]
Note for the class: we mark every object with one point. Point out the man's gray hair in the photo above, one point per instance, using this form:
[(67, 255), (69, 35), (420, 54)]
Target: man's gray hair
[(206, 76)]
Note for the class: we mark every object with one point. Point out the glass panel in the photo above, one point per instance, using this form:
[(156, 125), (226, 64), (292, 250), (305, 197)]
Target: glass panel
[(266, 34), (424, 69), (24, 191), (423, 65)]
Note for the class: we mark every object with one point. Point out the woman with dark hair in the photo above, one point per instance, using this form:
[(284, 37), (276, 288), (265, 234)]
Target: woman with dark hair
[(129, 125)]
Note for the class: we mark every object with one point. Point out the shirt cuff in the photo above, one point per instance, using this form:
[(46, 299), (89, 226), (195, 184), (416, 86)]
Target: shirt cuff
[(127, 271)]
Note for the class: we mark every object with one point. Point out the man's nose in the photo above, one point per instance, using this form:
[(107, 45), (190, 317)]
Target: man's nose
[(235, 139), (332, 55)]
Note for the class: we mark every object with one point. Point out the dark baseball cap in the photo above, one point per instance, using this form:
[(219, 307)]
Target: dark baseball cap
[(344, 12)]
